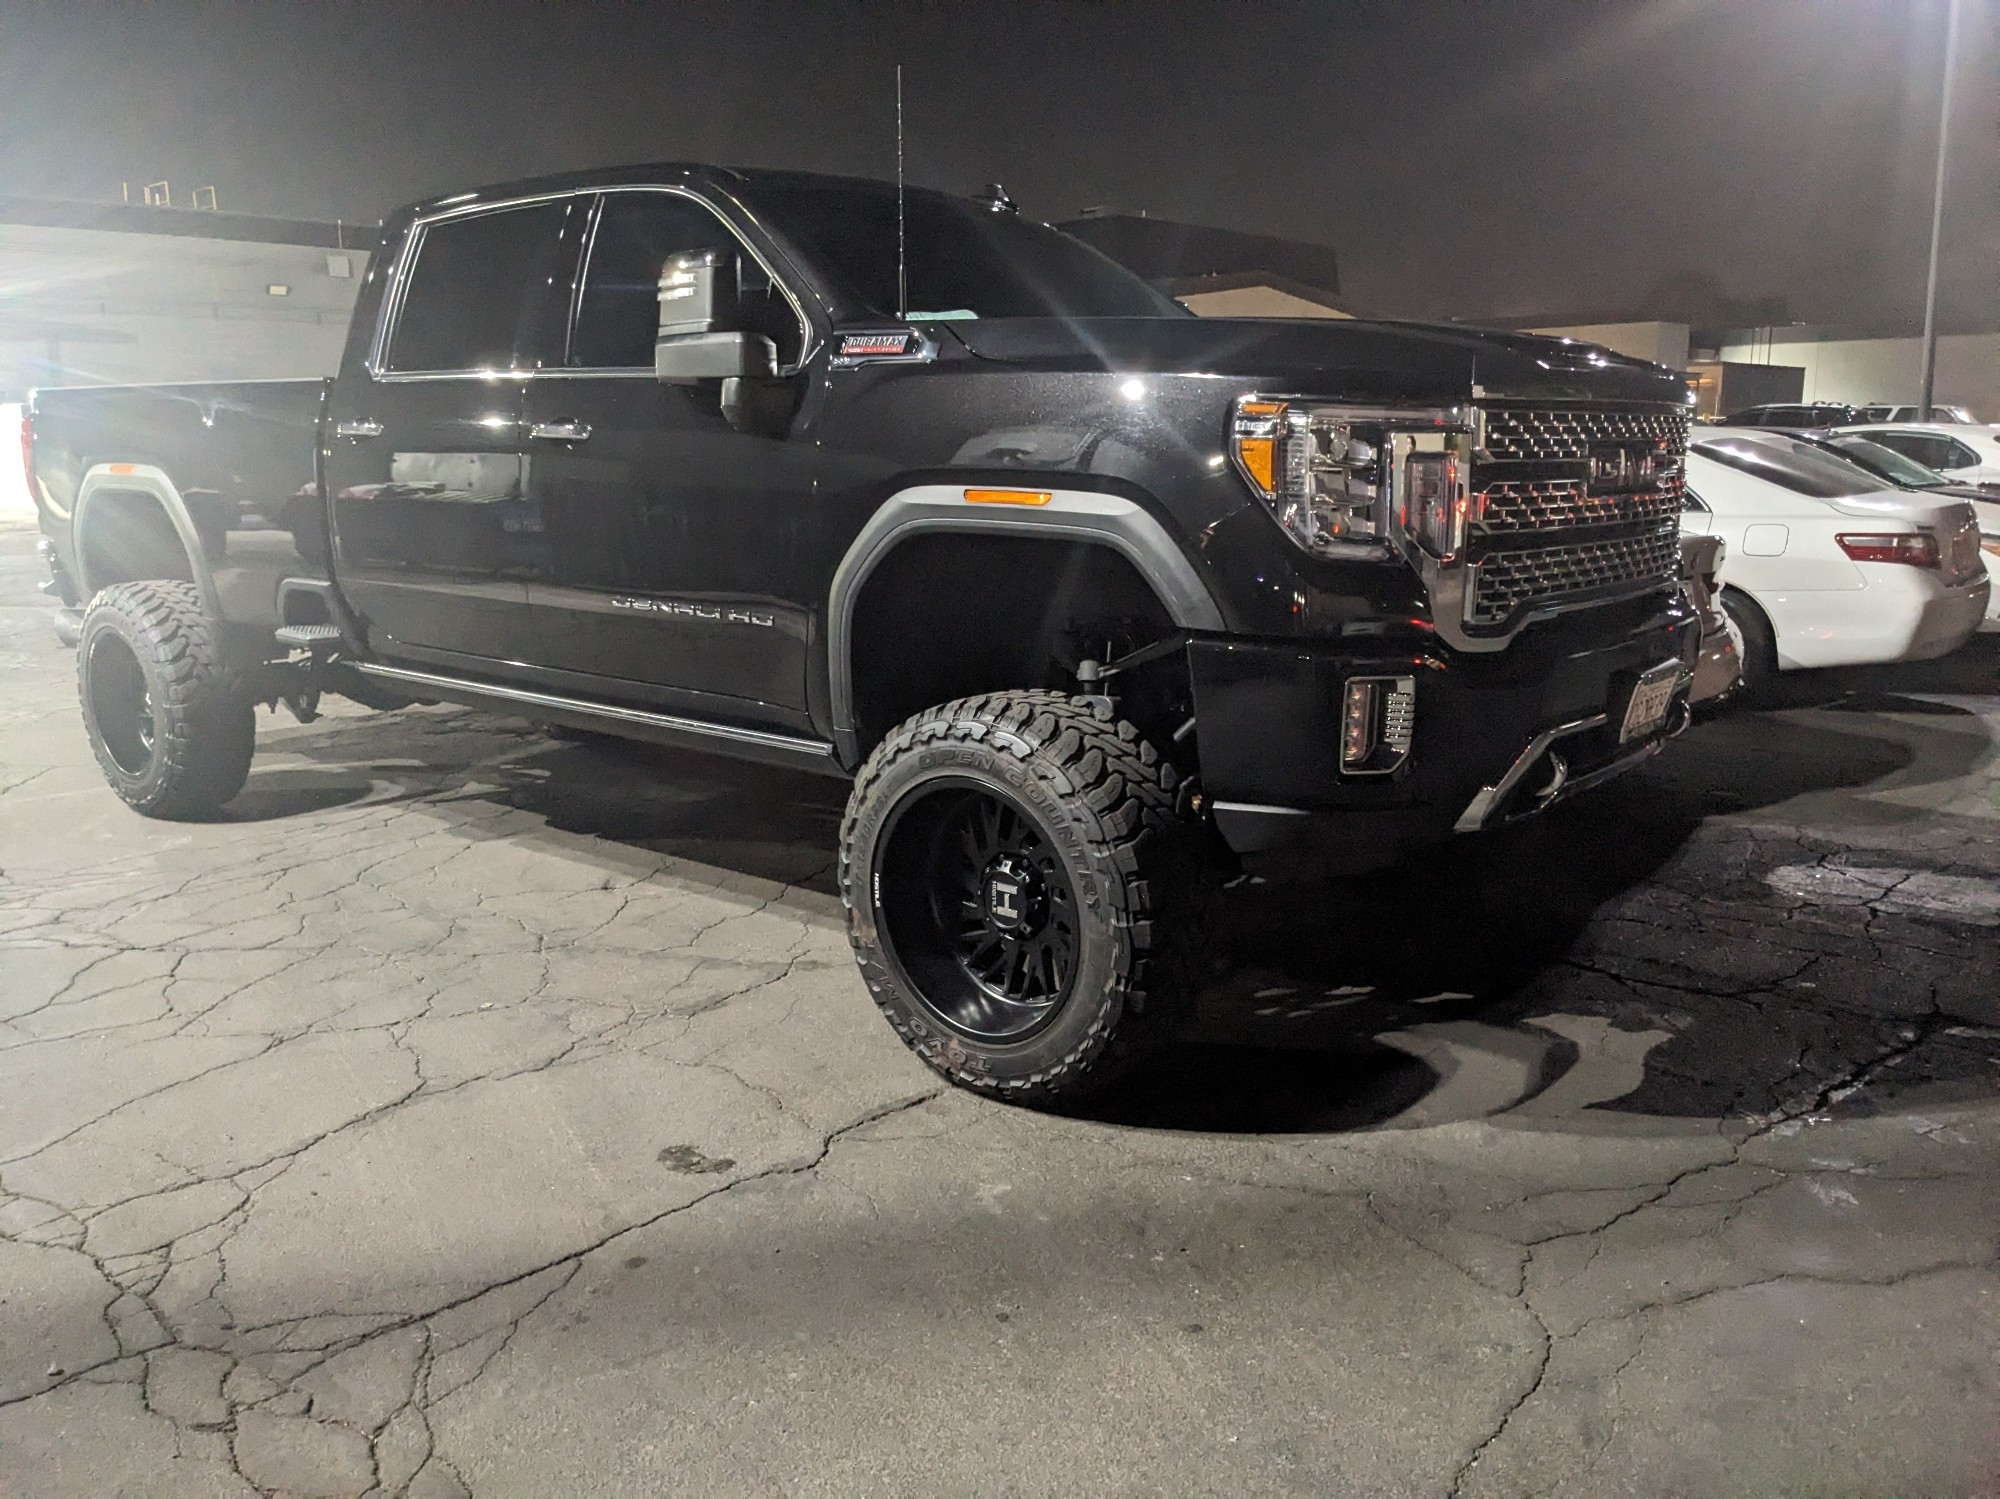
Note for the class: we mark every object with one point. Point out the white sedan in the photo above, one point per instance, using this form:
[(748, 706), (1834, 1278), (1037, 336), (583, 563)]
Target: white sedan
[(1827, 566), (1965, 452)]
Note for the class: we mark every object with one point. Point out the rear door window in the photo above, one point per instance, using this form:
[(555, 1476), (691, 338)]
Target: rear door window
[(488, 291)]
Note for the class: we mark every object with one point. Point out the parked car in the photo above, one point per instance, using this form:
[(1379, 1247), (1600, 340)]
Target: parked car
[(1962, 451), (1794, 414), (1957, 414), (1828, 566), (1718, 670), (1907, 473), (1074, 586)]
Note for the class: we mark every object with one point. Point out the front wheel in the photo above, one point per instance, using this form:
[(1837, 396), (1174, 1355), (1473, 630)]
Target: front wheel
[(1756, 648), (169, 727), (1021, 897)]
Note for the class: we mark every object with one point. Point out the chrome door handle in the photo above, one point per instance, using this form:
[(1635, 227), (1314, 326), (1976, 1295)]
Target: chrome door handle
[(561, 431), (365, 426)]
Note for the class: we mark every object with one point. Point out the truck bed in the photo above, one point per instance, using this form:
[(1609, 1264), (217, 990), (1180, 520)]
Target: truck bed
[(241, 455)]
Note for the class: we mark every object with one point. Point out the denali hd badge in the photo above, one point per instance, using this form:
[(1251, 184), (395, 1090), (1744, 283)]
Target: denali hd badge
[(881, 346), (719, 614)]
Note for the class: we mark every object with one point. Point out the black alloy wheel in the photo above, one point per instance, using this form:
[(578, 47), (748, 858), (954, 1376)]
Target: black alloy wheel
[(978, 910), (120, 703), (1025, 903), (171, 726)]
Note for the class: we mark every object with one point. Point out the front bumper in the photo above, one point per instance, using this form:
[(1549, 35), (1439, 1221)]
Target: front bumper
[(1486, 727)]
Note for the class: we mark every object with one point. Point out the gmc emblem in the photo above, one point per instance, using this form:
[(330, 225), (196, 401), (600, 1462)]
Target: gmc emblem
[(1621, 468)]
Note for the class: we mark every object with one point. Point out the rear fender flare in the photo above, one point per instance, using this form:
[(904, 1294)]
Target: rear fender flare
[(146, 479), (1068, 515)]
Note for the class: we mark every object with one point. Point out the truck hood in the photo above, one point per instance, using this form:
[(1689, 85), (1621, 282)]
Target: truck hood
[(1336, 358)]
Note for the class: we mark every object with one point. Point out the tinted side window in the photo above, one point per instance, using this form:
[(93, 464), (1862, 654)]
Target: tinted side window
[(619, 310), (1930, 451), (478, 288)]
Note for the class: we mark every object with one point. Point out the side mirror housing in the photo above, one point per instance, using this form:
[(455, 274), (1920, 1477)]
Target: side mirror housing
[(695, 341), (689, 358)]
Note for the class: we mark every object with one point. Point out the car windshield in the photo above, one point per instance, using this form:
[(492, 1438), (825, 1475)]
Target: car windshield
[(1798, 466), (1887, 462), (963, 260)]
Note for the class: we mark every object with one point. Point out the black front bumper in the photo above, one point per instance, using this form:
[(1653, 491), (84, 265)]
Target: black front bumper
[(1490, 730)]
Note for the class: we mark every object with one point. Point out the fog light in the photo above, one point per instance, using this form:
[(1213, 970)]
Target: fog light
[(1378, 720)]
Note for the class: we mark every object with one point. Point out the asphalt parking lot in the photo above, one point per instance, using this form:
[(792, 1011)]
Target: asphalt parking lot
[(473, 1113)]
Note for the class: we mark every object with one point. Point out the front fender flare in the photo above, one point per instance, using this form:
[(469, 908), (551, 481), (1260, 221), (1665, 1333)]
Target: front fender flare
[(1068, 515)]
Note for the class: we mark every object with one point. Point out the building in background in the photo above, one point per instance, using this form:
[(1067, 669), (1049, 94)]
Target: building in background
[(1218, 272), (95, 294)]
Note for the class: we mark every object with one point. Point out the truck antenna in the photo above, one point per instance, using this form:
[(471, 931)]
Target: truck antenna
[(902, 254)]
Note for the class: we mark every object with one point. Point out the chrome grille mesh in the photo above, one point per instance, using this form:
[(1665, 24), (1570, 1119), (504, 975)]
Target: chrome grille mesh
[(1559, 434), (1542, 504), (1540, 538), (1508, 581)]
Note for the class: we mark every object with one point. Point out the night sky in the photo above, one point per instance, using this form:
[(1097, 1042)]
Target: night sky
[(1465, 159)]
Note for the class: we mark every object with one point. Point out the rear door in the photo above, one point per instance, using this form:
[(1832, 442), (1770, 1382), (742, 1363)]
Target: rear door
[(679, 537), (434, 536)]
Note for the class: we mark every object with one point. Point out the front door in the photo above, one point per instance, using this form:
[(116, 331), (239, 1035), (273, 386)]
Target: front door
[(678, 533), (434, 536)]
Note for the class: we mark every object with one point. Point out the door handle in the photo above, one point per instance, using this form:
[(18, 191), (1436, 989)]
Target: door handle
[(561, 431), (365, 426)]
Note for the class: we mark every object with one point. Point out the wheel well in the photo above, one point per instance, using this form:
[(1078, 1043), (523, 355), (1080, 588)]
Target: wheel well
[(944, 616), (127, 536)]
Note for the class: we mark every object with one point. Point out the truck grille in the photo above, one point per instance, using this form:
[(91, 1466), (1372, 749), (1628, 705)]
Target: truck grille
[(1572, 505), (1561, 434), (1505, 583), (1542, 504)]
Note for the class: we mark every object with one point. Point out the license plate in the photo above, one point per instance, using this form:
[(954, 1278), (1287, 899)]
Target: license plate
[(1647, 708)]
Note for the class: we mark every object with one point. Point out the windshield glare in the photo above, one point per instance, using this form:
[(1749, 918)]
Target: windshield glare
[(1797, 466), (963, 259), (1889, 463)]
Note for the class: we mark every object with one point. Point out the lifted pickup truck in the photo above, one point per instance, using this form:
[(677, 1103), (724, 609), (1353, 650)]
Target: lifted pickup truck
[(1076, 588)]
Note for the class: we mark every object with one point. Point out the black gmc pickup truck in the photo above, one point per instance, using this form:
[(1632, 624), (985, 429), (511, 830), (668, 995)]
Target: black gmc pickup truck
[(1079, 590)]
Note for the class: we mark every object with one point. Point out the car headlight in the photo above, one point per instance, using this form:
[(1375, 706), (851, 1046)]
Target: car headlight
[(1342, 481)]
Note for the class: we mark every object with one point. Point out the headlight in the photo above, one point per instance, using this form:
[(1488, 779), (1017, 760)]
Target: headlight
[(1342, 481)]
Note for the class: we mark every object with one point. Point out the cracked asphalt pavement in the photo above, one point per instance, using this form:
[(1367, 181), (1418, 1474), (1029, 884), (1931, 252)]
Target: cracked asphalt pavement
[(473, 1113)]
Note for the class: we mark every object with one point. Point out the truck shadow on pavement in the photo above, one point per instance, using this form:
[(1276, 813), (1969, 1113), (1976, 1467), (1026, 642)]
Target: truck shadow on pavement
[(1468, 979)]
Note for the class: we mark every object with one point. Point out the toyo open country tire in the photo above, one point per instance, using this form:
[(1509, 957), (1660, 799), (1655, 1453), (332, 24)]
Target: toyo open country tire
[(170, 730), (1038, 808)]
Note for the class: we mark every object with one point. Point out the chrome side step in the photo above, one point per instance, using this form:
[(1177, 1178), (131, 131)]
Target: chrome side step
[(632, 723)]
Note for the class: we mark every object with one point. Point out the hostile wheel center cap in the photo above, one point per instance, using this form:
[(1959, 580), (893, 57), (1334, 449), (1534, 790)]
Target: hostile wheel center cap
[(1015, 899)]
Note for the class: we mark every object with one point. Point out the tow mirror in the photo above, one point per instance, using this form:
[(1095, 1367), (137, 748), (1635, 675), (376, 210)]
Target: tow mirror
[(694, 342)]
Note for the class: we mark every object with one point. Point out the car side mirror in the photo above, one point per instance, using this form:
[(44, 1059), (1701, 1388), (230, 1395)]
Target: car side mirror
[(694, 341)]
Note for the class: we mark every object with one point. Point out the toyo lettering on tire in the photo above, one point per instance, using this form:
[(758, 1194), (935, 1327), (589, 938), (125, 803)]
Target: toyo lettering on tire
[(1022, 899), (170, 729)]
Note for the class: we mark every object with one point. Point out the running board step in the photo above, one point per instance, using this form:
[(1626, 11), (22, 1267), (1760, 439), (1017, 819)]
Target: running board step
[(308, 635), (669, 729)]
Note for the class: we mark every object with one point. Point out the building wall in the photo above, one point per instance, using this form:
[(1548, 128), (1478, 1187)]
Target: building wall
[(1256, 301), (90, 306), (1862, 371), (1659, 343)]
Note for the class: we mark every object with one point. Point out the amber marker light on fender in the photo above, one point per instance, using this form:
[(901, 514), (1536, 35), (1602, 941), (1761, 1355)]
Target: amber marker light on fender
[(1008, 497)]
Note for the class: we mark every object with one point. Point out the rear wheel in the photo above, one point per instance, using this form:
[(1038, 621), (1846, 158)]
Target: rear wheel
[(170, 728), (1021, 897), (1756, 646)]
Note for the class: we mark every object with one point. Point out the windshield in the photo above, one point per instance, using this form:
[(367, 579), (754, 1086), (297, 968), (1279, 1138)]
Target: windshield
[(963, 259), (1798, 466), (1887, 462)]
